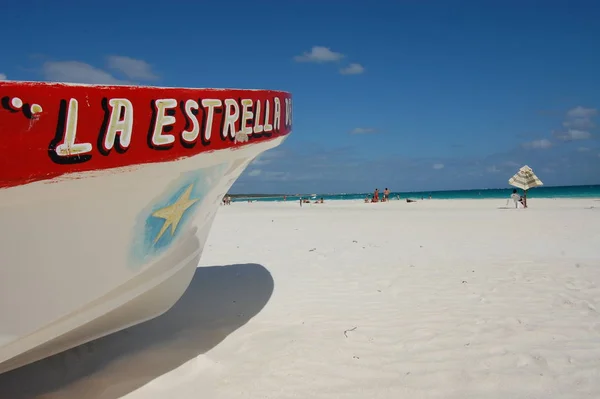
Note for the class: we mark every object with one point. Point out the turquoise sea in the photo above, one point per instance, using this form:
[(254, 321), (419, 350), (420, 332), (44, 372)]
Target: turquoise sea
[(592, 191)]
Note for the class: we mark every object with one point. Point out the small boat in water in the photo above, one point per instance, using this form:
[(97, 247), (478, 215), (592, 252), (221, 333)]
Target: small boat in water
[(107, 195)]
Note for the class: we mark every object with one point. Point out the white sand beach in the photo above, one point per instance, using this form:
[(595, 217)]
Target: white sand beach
[(433, 299)]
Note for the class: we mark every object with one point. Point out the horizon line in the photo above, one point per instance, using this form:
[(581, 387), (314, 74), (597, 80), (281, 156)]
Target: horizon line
[(403, 192)]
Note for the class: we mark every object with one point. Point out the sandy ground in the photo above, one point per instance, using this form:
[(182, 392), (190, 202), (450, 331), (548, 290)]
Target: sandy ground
[(434, 299)]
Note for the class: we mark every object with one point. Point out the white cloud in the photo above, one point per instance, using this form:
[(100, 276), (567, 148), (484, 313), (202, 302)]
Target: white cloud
[(493, 169), (268, 157), (512, 164), (80, 72), (319, 54), (363, 130), (438, 166), (77, 72), (270, 176), (260, 161), (542, 144), (132, 68), (582, 112), (2, 76), (352, 69), (573, 134), (580, 118), (583, 149), (277, 176), (579, 123), (255, 172)]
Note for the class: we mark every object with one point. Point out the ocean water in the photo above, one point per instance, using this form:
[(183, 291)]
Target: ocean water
[(539, 192)]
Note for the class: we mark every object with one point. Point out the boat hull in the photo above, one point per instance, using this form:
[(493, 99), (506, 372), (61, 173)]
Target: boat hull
[(92, 252)]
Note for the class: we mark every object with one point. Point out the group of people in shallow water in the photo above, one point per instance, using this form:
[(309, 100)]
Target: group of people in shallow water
[(518, 199), (386, 197), (375, 197)]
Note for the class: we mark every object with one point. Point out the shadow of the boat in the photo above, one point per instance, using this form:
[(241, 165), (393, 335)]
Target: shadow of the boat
[(218, 301)]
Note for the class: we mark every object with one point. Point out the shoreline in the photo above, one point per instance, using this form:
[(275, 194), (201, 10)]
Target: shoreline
[(547, 192), (295, 200)]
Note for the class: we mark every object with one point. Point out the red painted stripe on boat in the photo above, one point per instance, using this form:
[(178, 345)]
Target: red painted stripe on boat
[(41, 139)]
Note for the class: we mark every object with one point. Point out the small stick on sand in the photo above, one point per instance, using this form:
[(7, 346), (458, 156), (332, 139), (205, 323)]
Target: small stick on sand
[(347, 331)]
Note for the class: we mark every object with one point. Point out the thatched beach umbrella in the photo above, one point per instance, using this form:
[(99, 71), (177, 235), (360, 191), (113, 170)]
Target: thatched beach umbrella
[(525, 179)]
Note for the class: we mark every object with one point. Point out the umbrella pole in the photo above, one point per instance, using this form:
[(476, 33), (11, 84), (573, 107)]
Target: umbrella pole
[(525, 198)]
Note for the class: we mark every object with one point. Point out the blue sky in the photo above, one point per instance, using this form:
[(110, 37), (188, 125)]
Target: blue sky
[(412, 95)]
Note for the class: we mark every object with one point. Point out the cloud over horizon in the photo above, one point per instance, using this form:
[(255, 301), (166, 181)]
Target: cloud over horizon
[(132, 68), (314, 168), (77, 72), (542, 144), (81, 72), (322, 55), (353, 69), (319, 54), (3, 76), (363, 130), (573, 135), (578, 121)]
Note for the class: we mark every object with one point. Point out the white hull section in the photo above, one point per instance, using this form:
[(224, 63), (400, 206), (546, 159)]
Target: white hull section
[(90, 254)]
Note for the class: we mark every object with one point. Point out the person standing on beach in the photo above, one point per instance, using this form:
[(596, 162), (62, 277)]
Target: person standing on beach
[(300, 202), (386, 194), (376, 195)]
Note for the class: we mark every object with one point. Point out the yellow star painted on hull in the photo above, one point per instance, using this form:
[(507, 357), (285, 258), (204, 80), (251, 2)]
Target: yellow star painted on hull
[(172, 214)]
